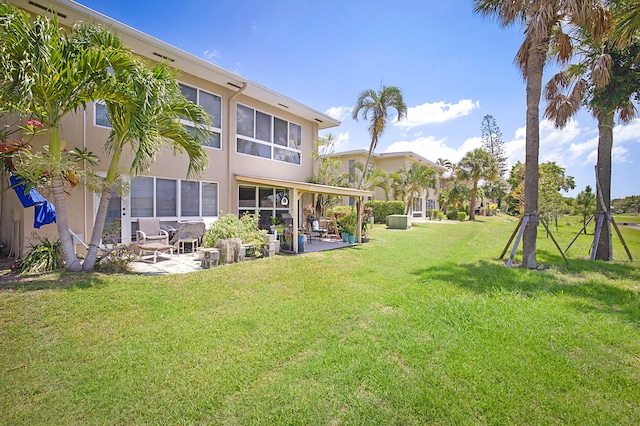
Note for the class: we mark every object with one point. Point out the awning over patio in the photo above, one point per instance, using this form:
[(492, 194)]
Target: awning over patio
[(299, 188)]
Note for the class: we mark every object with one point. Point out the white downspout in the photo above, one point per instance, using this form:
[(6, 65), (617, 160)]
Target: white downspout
[(230, 144)]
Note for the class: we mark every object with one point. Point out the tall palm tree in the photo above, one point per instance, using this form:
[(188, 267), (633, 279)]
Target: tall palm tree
[(476, 165), (49, 72), (148, 120), (544, 21), (607, 81), (376, 106)]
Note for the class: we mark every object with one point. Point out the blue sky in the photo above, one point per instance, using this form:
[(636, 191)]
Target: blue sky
[(453, 67)]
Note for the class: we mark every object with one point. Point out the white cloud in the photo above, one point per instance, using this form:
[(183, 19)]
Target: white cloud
[(211, 55), (553, 143), (628, 133), (339, 113), (342, 139), (432, 149), (574, 145), (436, 112)]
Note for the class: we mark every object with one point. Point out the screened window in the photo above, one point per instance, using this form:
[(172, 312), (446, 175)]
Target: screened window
[(212, 105), (269, 202), (173, 198), (263, 135), (101, 114)]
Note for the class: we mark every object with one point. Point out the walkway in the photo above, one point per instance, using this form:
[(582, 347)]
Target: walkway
[(185, 263)]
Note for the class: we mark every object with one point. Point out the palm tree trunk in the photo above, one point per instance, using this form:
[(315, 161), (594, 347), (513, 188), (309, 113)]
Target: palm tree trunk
[(604, 251), (98, 227), (101, 214), (60, 203), (62, 224), (535, 66), (472, 210)]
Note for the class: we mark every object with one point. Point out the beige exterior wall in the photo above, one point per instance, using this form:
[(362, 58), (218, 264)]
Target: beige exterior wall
[(391, 163), (79, 130)]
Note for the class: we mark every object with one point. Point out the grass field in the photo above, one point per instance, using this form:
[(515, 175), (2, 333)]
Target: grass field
[(419, 327)]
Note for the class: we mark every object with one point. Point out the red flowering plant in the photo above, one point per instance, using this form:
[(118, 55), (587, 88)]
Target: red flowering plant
[(36, 168)]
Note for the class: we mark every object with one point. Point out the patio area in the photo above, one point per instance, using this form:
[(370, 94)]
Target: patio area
[(185, 262)]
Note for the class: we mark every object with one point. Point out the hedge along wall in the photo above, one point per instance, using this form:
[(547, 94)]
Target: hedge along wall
[(382, 209)]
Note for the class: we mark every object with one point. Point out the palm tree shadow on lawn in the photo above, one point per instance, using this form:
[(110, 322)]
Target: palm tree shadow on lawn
[(54, 280), (582, 280)]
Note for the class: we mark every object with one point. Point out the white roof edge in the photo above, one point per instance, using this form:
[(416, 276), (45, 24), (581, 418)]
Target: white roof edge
[(390, 154), (77, 12)]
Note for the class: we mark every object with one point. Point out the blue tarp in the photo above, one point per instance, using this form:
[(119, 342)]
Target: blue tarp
[(44, 212)]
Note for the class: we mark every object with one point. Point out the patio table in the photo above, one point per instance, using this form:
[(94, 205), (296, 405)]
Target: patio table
[(156, 248)]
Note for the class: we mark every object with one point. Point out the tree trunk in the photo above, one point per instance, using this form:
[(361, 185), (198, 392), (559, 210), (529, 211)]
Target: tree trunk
[(472, 210), (62, 224), (98, 228), (60, 203), (604, 251), (534, 68), (101, 214)]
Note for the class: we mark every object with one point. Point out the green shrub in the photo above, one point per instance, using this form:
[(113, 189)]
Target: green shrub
[(46, 256), (433, 213), (452, 214), (382, 209), (230, 226), (347, 224), (462, 216), (117, 259), (440, 216)]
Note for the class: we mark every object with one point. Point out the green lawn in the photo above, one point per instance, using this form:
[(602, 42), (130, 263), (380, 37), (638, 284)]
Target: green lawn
[(419, 327)]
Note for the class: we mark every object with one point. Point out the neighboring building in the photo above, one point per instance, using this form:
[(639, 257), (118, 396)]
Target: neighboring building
[(391, 162), (260, 150)]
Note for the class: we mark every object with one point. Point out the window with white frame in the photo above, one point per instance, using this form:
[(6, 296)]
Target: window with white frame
[(266, 136), (268, 202), (173, 199), (101, 114), (212, 105)]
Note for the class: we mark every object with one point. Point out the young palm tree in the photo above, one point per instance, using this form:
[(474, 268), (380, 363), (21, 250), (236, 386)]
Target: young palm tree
[(48, 72), (607, 81), (376, 106), (475, 166), (544, 21), (409, 183), (370, 178), (148, 120)]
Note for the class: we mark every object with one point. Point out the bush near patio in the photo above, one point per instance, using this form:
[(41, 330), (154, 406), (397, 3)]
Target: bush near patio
[(420, 327), (232, 226), (382, 209)]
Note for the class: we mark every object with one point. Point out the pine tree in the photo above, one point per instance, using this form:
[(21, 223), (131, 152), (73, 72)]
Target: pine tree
[(493, 143)]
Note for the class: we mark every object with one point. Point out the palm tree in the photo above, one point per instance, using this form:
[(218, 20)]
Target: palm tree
[(409, 183), (627, 20), (454, 196), (369, 178), (375, 106), (544, 21), (148, 120), (475, 166), (606, 80), (49, 72)]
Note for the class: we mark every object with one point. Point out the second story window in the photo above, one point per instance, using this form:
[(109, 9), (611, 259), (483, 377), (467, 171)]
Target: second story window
[(101, 114), (263, 135), (212, 104)]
